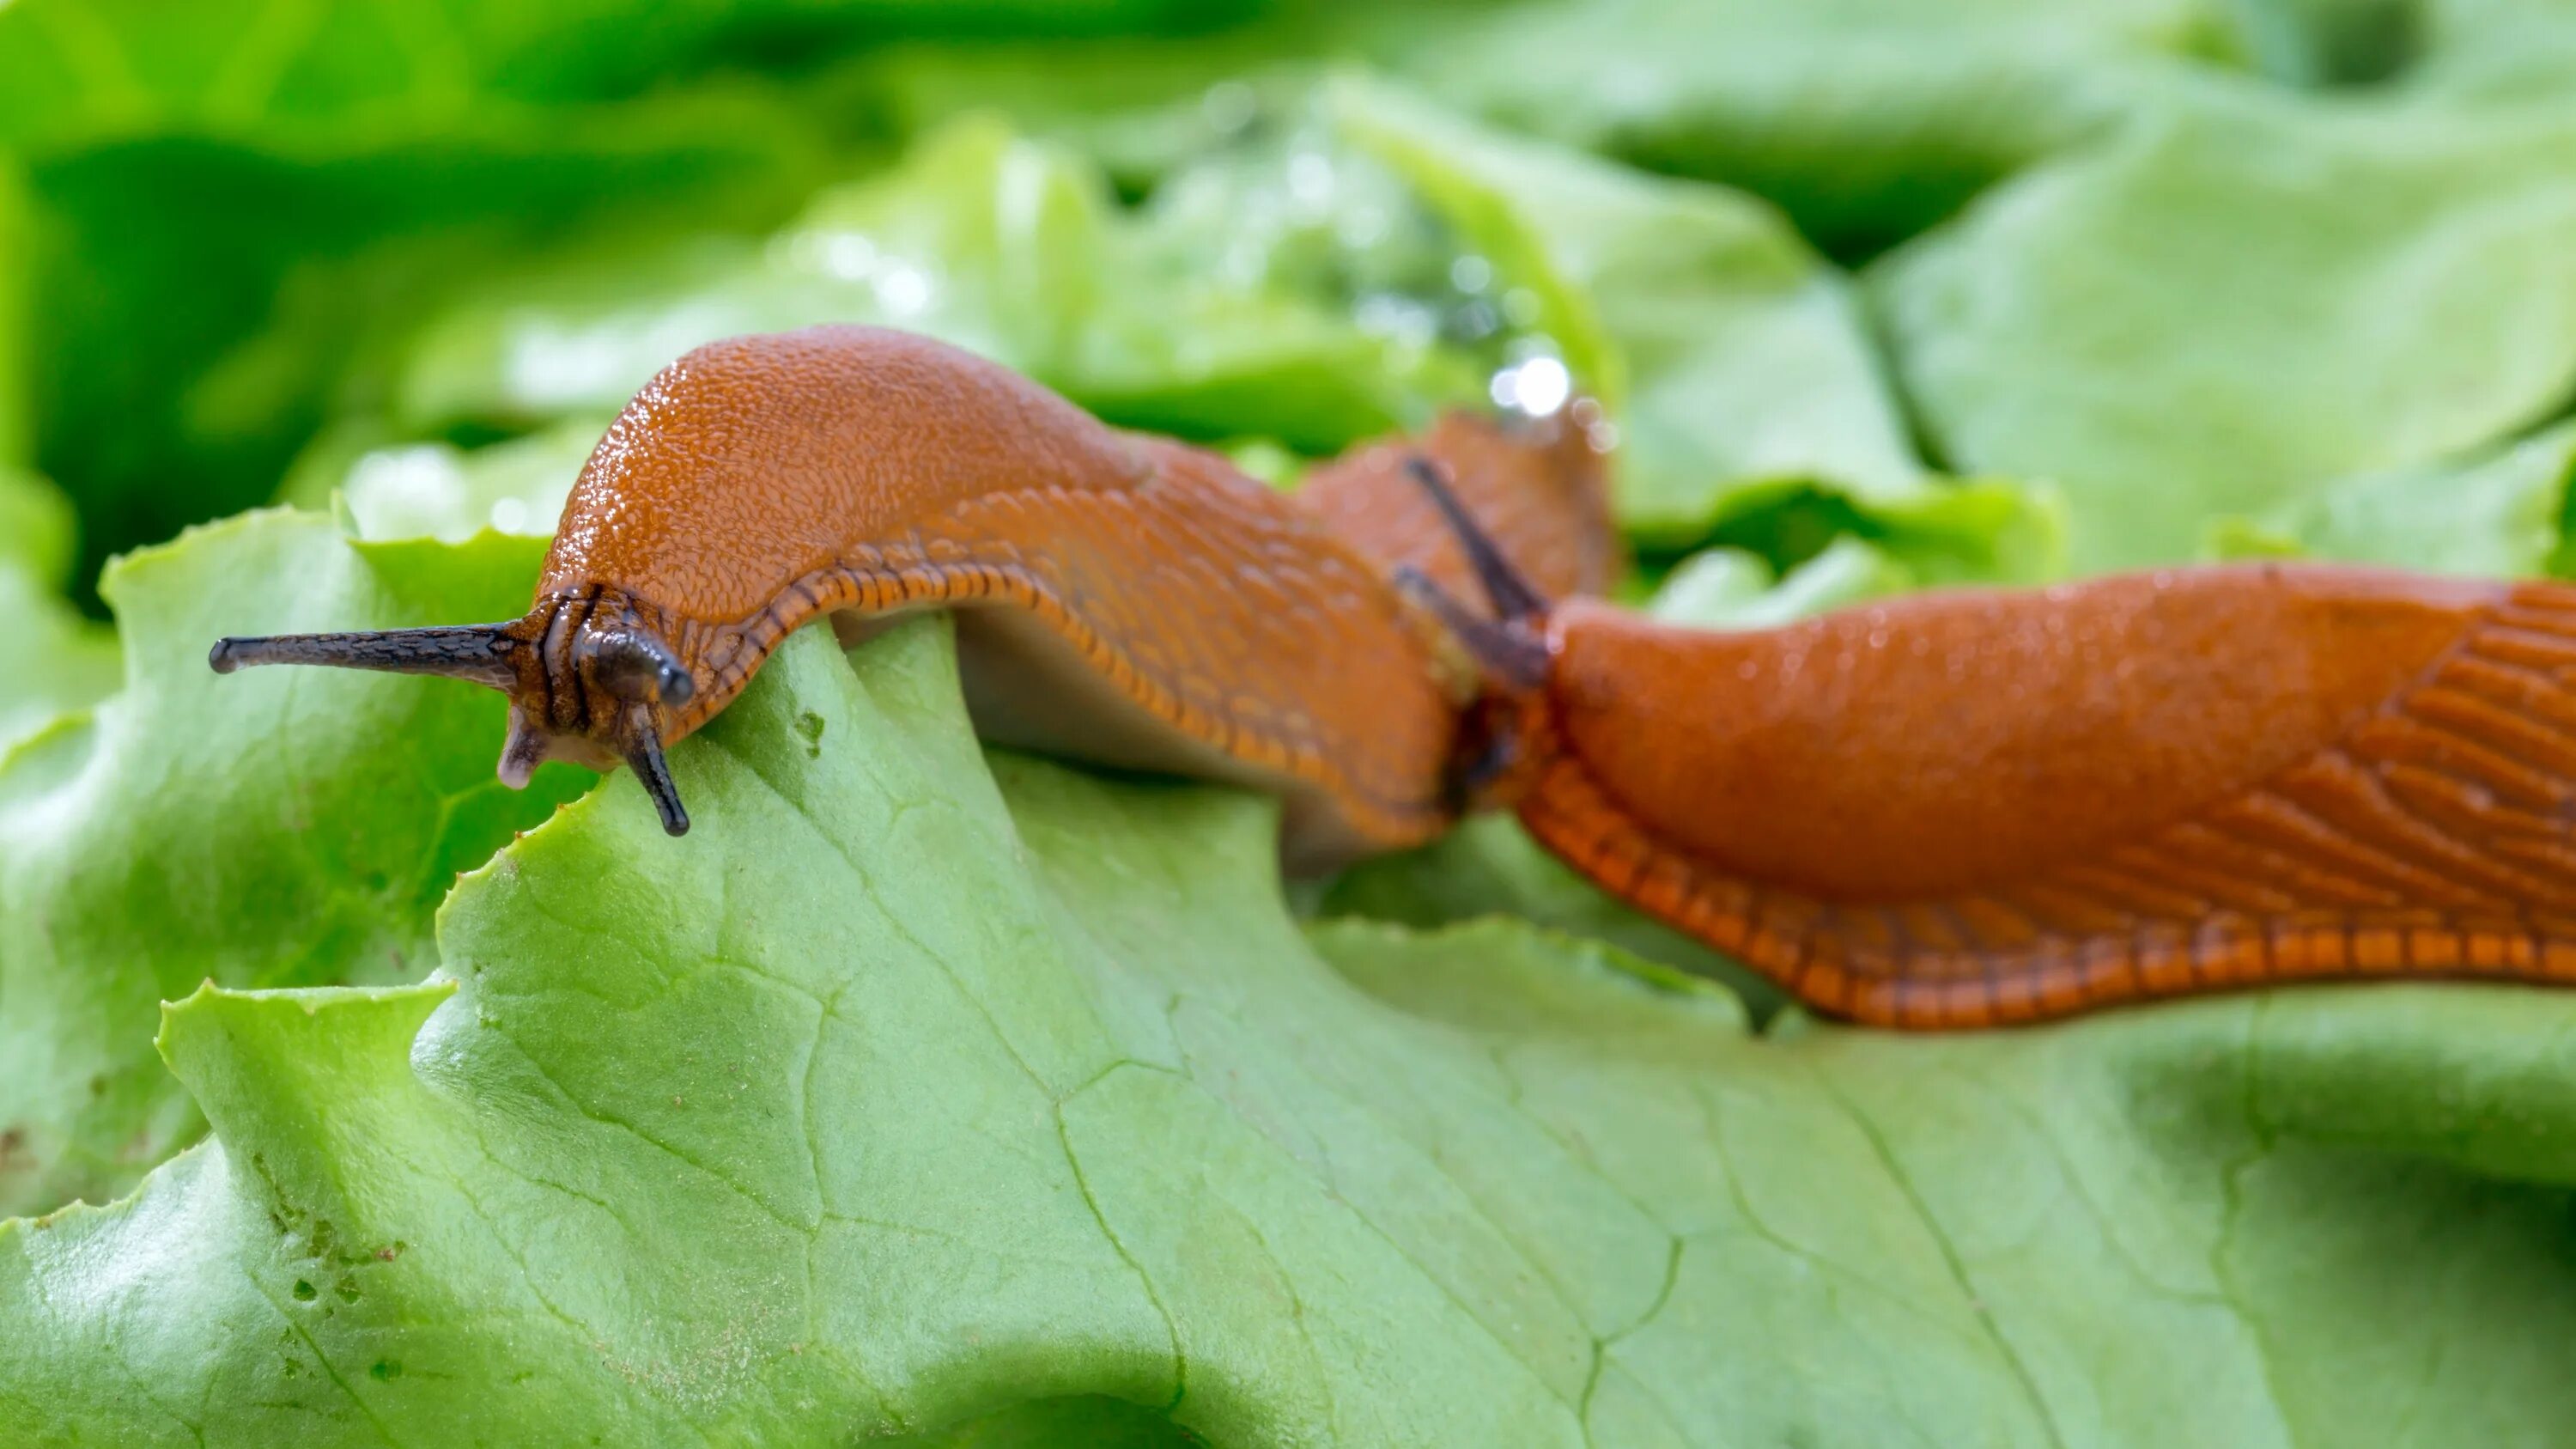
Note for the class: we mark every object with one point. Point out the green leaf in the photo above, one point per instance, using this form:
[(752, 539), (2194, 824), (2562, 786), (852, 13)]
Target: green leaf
[(275, 827), (16, 270), (1866, 120), (1727, 589), (200, 301), (1729, 352), (1735, 362), (2242, 300), (441, 491), (1489, 868), (977, 238), (72, 70), (37, 534), (1003, 246), (2332, 42), (2503, 515), (1144, 107), (2445, 48), (52, 659), (905, 1095)]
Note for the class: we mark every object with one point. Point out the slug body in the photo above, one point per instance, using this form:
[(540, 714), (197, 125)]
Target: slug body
[(1957, 809), (1971, 808), (1122, 598)]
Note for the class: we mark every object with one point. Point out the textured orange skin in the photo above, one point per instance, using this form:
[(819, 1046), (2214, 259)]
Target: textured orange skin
[(759, 482), (1973, 808), (1536, 484)]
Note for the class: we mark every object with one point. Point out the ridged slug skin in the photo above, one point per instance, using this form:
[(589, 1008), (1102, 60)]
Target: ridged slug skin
[(1976, 807), (1121, 598)]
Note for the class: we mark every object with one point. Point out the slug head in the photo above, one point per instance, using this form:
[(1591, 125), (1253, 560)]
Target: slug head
[(590, 678), (1506, 734)]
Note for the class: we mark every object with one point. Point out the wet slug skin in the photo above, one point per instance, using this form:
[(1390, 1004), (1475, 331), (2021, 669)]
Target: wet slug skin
[(1121, 598), (1977, 807)]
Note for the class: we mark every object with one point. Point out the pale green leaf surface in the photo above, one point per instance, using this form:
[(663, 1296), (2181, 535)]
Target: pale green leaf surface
[(438, 490), (906, 1093), (2439, 50), (1144, 107), (1727, 589), (1730, 354), (51, 659), (37, 531), (1003, 246), (1489, 867), (2502, 515), (2242, 300), (198, 303), (1746, 392), (273, 827), (1866, 120)]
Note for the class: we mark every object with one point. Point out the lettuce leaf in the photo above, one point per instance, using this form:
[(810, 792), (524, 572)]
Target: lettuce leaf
[(1744, 383), (223, 295), (1865, 120), (1726, 348), (928, 1089), (2500, 515), (278, 827), (1746, 390), (2244, 300), (52, 659), (232, 206), (1007, 247), (439, 490), (75, 72)]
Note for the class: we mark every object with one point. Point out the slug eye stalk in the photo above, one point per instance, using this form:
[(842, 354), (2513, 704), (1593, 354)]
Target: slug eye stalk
[(588, 680), (1514, 599), (1508, 646), (1503, 737), (479, 652), (644, 757), (635, 665)]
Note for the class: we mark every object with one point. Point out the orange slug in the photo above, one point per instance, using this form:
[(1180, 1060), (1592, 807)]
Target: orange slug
[(1120, 598), (1958, 809), (1978, 807)]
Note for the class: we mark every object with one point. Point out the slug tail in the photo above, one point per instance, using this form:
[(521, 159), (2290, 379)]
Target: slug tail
[(479, 652)]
